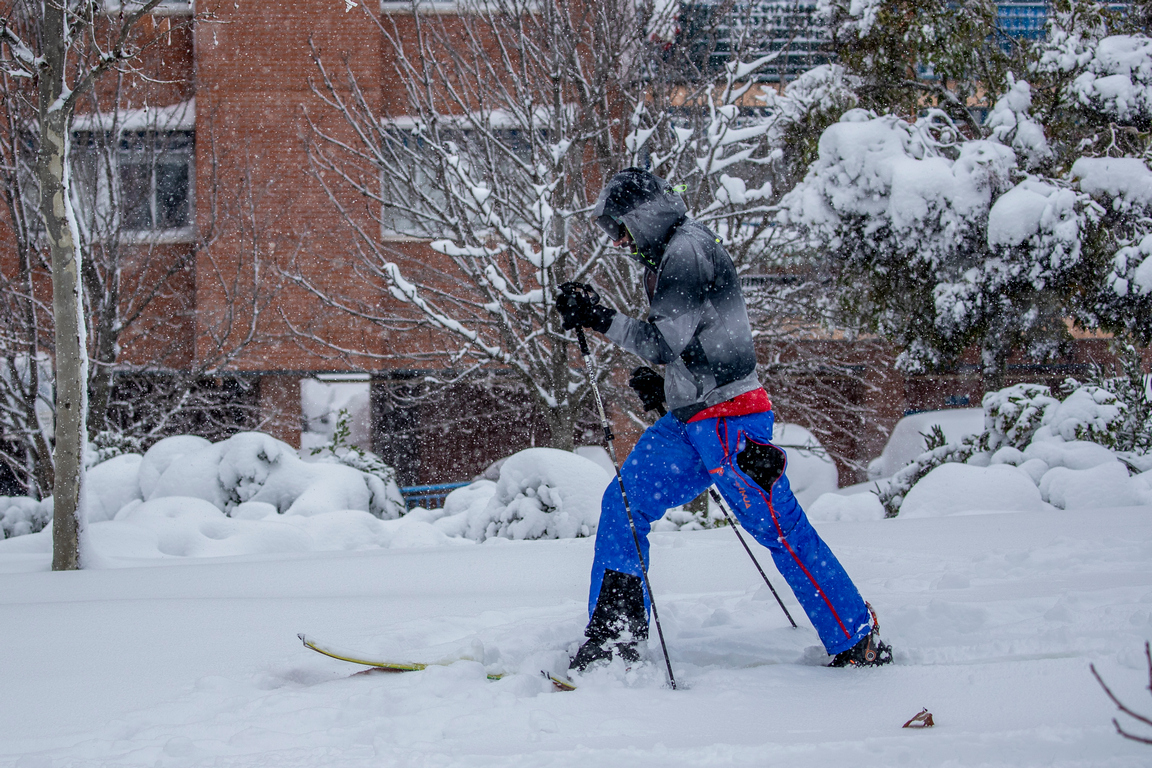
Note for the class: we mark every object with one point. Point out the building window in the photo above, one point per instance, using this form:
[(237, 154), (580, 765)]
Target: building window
[(155, 179), (709, 30), (416, 204), (164, 8), (424, 6), (1023, 20), (153, 171)]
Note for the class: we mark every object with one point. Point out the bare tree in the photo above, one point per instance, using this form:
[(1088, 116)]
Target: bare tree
[(506, 126), (512, 115), (68, 46), (138, 283), (25, 327), (1142, 719), (155, 364)]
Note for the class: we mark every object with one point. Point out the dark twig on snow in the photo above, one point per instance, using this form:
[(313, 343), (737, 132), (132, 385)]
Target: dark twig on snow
[(1120, 705)]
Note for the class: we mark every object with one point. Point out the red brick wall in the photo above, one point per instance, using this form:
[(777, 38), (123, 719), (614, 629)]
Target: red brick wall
[(253, 65)]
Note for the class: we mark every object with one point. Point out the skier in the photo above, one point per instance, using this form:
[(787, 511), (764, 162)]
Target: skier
[(718, 429)]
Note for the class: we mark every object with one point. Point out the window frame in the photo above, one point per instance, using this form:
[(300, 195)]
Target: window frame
[(404, 131), (434, 7), (153, 158), (93, 197), (165, 8)]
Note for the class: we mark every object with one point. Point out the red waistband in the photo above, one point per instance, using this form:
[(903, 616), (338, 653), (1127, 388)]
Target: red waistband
[(755, 401)]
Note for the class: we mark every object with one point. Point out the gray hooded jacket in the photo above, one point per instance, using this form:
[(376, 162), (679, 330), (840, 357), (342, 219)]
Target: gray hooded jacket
[(697, 325)]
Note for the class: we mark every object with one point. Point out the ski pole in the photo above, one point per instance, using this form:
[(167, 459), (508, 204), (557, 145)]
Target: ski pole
[(609, 438), (732, 523)]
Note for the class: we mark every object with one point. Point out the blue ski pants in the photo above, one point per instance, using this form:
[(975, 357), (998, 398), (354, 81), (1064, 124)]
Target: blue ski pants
[(674, 462)]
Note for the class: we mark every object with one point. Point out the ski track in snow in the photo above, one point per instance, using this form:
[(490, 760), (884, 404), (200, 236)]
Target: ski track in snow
[(994, 618)]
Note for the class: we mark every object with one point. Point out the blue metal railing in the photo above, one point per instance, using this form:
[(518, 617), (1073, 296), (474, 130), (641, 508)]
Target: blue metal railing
[(428, 496)]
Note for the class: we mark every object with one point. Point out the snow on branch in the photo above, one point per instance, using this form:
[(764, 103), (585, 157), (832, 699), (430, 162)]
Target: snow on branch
[(26, 62)]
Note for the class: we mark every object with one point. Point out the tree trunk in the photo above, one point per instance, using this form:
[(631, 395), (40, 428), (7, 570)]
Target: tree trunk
[(100, 393), (561, 423), (562, 418), (67, 300), (39, 452), (994, 366)]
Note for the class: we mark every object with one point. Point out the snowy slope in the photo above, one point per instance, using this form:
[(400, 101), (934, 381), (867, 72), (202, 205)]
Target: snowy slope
[(195, 662)]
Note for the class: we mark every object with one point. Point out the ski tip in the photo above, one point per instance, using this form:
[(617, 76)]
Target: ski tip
[(559, 683), (303, 639)]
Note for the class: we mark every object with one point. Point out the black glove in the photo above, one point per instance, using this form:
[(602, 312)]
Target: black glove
[(649, 386), (579, 307)]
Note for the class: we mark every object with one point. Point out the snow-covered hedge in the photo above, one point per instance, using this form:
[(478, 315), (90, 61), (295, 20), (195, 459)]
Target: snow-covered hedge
[(1088, 450), (247, 469), (20, 515), (542, 493), (252, 466)]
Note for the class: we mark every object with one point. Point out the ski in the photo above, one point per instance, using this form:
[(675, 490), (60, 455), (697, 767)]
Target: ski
[(560, 683), (386, 666)]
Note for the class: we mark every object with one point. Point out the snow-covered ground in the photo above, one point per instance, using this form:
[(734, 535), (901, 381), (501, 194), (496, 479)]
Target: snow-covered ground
[(195, 662)]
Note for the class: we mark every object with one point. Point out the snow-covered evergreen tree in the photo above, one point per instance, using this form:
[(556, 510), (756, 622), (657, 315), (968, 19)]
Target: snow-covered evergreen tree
[(944, 231)]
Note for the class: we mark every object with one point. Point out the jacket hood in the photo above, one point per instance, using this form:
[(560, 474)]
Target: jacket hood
[(648, 206)]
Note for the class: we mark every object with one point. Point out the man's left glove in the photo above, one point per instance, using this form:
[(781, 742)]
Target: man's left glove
[(579, 307), (648, 386)]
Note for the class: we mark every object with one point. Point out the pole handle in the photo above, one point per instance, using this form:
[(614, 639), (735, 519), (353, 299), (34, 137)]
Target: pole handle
[(580, 337)]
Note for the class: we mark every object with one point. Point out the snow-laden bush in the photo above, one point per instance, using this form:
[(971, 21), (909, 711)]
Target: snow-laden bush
[(108, 444), (248, 473), (952, 488), (179, 527), (340, 450), (112, 485), (542, 493), (1012, 415), (893, 493), (1089, 413), (1090, 449), (253, 466), (832, 507), (162, 455), (1118, 80), (20, 515), (907, 440), (698, 516)]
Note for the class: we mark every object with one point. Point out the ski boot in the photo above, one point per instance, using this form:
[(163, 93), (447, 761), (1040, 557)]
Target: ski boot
[(869, 652), (593, 652), (618, 625)]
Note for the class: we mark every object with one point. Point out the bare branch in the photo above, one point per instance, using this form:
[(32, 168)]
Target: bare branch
[(1122, 707)]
